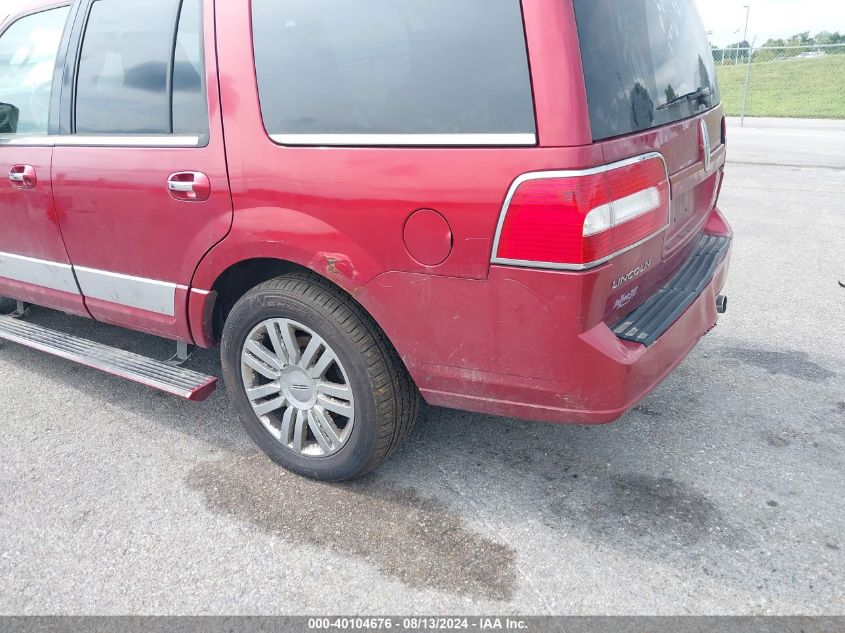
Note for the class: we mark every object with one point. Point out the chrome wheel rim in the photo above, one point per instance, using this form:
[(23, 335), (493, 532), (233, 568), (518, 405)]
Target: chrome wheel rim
[(297, 387)]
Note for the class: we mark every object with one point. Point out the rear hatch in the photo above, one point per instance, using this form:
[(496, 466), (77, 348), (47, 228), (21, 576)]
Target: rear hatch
[(651, 87)]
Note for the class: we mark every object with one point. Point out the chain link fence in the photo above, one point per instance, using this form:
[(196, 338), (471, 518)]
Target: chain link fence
[(787, 81)]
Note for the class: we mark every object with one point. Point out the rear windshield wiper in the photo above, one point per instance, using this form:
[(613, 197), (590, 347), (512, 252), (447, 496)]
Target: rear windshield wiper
[(696, 95)]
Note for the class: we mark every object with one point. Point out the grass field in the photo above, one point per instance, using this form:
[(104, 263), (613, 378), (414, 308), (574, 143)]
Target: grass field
[(804, 88)]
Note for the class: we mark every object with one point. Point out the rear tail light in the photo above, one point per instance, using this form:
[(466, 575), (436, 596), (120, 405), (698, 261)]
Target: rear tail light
[(576, 220)]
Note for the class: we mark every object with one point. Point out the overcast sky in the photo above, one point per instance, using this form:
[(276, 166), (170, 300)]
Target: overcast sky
[(726, 18), (770, 18)]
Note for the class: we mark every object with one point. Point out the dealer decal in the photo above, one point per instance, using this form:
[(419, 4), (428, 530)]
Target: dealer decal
[(625, 299)]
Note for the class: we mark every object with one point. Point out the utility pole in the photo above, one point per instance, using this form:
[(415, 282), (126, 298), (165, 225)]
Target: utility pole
[(747, 8), (747, 84), (747, 15), (745, 32), (747, 66)]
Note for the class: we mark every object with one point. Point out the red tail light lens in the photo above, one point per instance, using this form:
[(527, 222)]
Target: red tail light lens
[(582, 219)]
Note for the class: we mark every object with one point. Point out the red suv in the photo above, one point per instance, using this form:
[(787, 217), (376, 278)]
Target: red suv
[(501, 206)]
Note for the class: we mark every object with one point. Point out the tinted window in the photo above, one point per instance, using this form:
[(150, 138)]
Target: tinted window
[(190, 110), (392, 66), (125, 65), (646, 63), (28, 51)]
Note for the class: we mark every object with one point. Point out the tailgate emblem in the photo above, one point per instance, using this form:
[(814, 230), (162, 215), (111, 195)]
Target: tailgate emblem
[(639, 270), (705, 146)]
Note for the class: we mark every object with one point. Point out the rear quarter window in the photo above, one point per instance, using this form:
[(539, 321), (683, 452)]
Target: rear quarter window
[(392, 67)]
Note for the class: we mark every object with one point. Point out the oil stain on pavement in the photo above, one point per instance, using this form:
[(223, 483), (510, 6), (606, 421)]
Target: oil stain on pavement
[(632, 508), (791, 363), (413, 539)]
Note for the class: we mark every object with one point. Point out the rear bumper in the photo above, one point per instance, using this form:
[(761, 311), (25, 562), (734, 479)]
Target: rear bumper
[(521, 344), (650, 321)]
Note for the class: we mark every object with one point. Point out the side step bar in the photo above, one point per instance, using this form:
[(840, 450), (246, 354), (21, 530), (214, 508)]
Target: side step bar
[(146, 371)]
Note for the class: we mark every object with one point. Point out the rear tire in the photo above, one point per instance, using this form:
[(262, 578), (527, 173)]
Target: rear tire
[(330, 398)]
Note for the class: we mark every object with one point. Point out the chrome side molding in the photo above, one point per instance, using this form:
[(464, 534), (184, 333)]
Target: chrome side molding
[(151, 295)]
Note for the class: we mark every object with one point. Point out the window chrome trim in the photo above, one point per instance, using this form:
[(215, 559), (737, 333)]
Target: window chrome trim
[(406, 140), (133, 292), (38, 272), (541, 175), (93, 140), (89, 140)]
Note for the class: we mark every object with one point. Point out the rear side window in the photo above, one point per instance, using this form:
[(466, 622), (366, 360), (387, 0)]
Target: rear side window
[(190, 107), (28, 50), (392, 67), (137, 74), (646, 63)]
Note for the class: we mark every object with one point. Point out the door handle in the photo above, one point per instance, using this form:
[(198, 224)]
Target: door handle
[(189, 186), (181, 187), (23, 177)]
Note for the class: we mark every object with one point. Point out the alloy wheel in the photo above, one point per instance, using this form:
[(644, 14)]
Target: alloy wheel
[(297, 387)]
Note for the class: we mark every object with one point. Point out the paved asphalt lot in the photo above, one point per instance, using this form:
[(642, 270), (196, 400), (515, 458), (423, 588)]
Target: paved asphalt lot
[(722, 493)]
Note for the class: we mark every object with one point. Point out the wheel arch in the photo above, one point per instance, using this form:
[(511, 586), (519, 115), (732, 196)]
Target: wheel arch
[(268, 241), (209, 308)]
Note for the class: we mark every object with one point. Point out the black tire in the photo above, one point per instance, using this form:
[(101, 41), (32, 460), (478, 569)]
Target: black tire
[(386, 400)]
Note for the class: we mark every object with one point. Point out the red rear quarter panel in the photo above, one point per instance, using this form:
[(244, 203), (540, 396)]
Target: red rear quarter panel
[(341, 211)]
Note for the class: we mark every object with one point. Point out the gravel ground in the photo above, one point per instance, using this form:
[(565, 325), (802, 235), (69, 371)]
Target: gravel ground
[(721, 494)]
